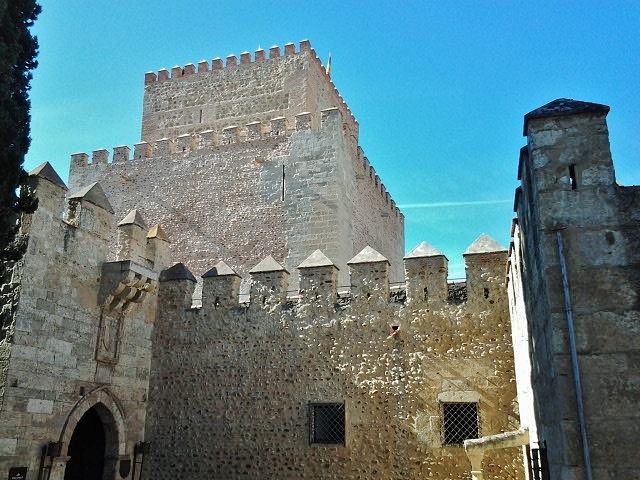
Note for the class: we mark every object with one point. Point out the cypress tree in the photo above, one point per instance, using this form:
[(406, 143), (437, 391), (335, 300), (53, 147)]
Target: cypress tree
[(18, 51)]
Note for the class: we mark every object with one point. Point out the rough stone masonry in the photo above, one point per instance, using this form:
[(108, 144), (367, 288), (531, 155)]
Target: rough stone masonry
[(315, 350)]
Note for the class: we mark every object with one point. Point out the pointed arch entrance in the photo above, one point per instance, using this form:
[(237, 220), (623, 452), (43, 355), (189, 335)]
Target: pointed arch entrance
[(93, 439), (87, 448)]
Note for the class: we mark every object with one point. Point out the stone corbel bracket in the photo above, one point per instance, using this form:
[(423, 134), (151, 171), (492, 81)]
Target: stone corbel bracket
[(124, 283), (475, 448)]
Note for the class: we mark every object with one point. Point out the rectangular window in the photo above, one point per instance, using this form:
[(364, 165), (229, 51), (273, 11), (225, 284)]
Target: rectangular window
[(326, 422), (460, 422)]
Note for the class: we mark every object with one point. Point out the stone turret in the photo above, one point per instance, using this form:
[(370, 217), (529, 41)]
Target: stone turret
[(78, 340), (132, 238), (575, 266), (158, 248), (221, 287), (267, 72), (485, 264), (89, 209), (426, 271), (369, 276), (140, 258), (48, 187), (568, 149), (176, 288), (269, 282), (318, 280)]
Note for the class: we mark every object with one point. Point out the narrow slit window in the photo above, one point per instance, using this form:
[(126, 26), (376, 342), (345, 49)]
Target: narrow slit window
[(282, 193), (572, 177)]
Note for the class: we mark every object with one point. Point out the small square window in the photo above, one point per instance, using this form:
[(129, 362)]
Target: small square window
[(327, 423), (460, 422)]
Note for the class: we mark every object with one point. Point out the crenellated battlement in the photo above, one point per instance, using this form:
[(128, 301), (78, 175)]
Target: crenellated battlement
[(218, 66), (246, 156), (252, 162), (230, 61), (425, 267), (425, 284), (233, 135)]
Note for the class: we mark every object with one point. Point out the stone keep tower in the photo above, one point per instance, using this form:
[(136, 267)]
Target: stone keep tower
[(254, 158), (75, 349), (574, 295)]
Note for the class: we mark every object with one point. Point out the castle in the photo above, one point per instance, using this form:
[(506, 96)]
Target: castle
[(310, 347), (275, 150)]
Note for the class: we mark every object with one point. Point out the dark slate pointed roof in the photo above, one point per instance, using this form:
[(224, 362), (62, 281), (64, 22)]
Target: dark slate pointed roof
[(563, 107), (424, 250), (45, 170), (221, 269), (484, 244), (368, 255), (316, 259), (177, 272), (93, 194), (268, 265), (133, 218)]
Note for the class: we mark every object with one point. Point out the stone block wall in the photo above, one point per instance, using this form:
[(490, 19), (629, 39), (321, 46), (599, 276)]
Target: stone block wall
[(232, 385), (67, 350), (240, 197), (221, 201), (252, 158), (569, 196), (216, 96)]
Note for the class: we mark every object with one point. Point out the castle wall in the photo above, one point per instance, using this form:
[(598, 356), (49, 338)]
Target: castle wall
[(231, 386), (381, 223), (255, 178), (520, 338), (569, 194), (216, 202), (238, 92), (52, 374)]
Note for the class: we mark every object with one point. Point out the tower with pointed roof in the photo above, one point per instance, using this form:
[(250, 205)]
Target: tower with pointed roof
[(75, 348), (574, 296)]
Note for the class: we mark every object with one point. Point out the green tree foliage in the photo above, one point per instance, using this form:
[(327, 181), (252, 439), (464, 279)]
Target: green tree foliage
[(18, 50)]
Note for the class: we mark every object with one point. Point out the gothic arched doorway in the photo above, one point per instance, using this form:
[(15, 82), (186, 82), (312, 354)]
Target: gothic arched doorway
[(91, 446)]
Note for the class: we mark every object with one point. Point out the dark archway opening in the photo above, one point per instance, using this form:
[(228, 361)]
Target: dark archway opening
[(87, 449)]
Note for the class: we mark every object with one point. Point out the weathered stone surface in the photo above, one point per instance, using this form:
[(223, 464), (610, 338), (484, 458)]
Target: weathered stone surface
[(570, 209), (248, 162), (271, 166), (226, 382), (67, 352)]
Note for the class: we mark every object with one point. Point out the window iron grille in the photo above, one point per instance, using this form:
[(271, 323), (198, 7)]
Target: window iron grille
[(539, 463), (327, 422), (460, 422)]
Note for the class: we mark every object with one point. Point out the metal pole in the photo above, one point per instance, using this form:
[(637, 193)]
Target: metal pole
[(574, 357)]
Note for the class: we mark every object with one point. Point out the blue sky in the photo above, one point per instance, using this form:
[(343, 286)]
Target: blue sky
[(439, 88)]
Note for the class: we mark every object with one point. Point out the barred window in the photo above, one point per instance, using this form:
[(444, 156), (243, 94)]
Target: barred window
[(326, 422), (460, 422)]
